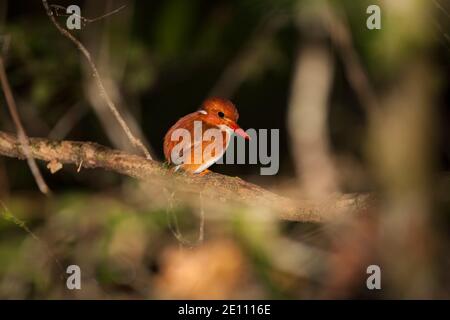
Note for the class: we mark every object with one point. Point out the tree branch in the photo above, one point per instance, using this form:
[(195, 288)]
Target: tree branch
[(213, 185)]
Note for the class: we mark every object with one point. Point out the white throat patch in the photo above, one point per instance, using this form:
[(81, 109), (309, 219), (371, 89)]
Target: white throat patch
[(225, 128)]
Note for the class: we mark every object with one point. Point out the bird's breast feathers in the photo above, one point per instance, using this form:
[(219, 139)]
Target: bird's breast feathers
[(201, 148)]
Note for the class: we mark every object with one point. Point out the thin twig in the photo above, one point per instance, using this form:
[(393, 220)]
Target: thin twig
[(4, 180), (136, 142), (172, 222), (341, 37), (79, 166), (84, 19), (201, 233), (66, 123), (5, 43), (23, 138), (236, 71), (8, 216), (171, 216), (439, 6)]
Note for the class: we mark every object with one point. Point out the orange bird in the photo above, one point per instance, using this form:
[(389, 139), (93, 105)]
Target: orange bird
[(195, 150)]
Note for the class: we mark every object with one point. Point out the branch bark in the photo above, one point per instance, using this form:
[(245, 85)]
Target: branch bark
[(213, 185)]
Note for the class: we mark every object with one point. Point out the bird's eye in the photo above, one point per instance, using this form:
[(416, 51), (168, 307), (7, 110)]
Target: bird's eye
[(221, 114)]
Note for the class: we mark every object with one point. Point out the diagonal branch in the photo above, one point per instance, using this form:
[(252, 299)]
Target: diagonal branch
[(135, 141), (214, 186), (340, 35)]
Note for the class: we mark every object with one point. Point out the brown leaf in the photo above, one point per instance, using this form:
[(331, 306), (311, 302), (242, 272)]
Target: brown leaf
[(54, 166)]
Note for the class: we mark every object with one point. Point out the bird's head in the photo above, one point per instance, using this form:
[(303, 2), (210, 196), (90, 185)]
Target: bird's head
[(222, 113)]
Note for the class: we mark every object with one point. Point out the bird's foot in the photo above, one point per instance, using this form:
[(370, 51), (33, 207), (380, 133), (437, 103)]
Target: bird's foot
[(204, 172)]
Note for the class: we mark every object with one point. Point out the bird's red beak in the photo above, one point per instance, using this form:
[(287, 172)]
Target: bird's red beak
[(239, 131), (242, 133)]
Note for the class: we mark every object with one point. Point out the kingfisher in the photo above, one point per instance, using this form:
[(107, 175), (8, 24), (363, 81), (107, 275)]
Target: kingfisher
[(185, 148)]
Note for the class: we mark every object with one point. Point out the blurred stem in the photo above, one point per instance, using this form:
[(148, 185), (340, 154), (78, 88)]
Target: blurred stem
[(308, 110), (337, 26), (68, 121), (8, 216), (402, 154), (4, 181), (23, 138), (237, 70)]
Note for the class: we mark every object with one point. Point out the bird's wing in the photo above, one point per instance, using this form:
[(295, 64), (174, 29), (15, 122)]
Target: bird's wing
[(192, 150), (186, 152), (187, 123)]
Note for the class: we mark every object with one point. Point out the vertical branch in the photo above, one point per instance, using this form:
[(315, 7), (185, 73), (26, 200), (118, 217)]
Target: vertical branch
[(401, 148), (23, 138), (136, 142), (308, 108)]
